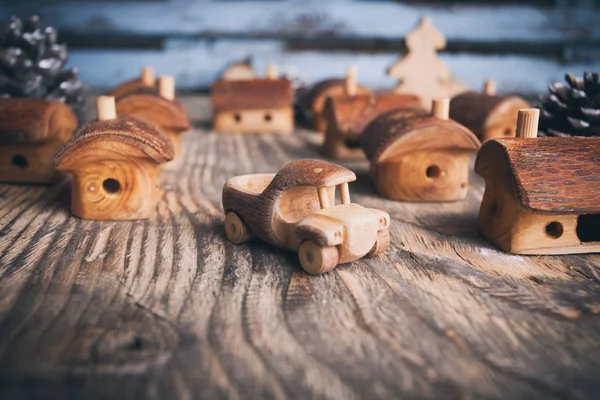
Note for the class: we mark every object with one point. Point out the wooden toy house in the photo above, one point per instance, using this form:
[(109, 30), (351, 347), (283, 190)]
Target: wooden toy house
[(253, 105), (347, 115), (313, 101), (417, 156), (31, 132), (487, 114), (147, 79), (541, 194), (115, 162), (157, 107)]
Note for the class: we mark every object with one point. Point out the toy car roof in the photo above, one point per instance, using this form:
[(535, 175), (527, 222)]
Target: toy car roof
[(147, 104), (24, 121), (127, 130), (251, 94), (310, 172), (386, 131), (550, 175)]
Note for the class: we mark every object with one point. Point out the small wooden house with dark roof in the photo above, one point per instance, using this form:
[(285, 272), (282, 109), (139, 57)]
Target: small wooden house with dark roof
[(541, 194), (31, 132), (417, 156), (147, 79), (313, 101), (157, 107), (253, 105), (487, 114), (347, 115), (115, 162)]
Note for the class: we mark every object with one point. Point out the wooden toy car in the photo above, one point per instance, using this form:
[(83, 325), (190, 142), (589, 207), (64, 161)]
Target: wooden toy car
[(487, 114), (115, 165), (147, 79), (541, 194), (253, 105), (295, 209), (31, 132), (157, 107), (417, 156), (313, 101), (347, 115)]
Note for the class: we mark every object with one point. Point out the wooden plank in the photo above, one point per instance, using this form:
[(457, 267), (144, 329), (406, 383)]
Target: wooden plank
[(361, 19), (168, 308), (196, 65)]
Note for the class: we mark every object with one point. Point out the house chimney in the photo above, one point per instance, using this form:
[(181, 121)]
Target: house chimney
[(148, 77), (441, 108), (106, 108), (527, 123), (489, 87), (351, 80), (271, 71), (166, 87)]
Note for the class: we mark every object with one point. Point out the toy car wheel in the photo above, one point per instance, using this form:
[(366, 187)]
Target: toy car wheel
[(381, 244), (235, 229), (317, 259)]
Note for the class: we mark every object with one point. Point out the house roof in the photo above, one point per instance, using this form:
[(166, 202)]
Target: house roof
[(308, 172), (550, 175), (24, 121), (147, 105), (472, 108), (351, 114), (126, 130), (315, 97), (251, 94)]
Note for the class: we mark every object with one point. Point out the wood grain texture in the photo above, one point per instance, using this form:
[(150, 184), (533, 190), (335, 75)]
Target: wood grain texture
[(168, 308)]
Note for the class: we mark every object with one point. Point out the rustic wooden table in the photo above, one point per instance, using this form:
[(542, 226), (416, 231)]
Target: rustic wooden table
[(168, 308)]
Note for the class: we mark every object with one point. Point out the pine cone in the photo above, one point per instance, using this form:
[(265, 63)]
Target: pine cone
[(31, 65), (572, 110)]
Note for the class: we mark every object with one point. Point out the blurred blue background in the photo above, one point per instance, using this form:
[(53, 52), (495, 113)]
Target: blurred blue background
[(523, 45)]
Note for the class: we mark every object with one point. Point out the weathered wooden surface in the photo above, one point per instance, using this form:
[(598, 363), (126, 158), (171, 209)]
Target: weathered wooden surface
[(168, 308)]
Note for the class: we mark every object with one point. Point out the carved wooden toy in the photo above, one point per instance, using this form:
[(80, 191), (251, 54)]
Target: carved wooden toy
[(31, 132), (541, 194), (157, 107), (253, 106), (417, 156), (115, 162), (347, 115), (313, 101), (421, 71), (295, 209), (147, 79), (487, 114)]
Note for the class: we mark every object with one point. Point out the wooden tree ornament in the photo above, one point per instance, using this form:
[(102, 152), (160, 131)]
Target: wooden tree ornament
[(115, 162), (347, 115), (253, 105), (157, 107), (421, 71), (147, 79), (295, 209), (31, 132), (313, 102), (541, 194), (417, 156), (487, 114)]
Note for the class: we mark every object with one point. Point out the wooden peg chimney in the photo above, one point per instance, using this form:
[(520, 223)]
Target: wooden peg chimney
[(166, 87), (148, 76), (351, 85), (272, 71), (527, 123), (489, 87), (106, 108), (441, 108)]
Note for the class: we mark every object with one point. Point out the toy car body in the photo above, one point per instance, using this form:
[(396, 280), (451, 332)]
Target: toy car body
[(295, 209)]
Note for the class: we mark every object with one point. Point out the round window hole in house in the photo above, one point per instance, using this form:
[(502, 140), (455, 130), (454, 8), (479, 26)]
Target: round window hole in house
[(268, 117), (433, 171), (508, 132), (237, 118), (19, 161), (111, 185), (554, 230)]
